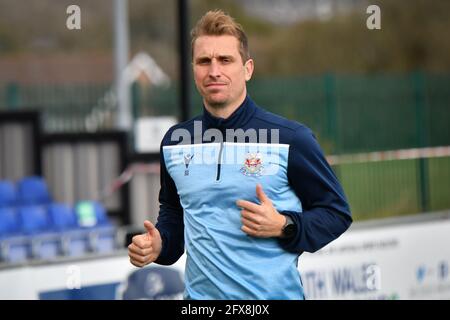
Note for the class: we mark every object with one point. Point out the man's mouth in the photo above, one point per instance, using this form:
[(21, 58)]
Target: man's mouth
[(215, 84)]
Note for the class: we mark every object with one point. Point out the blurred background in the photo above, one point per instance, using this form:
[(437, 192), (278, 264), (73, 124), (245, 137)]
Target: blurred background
[(82, 114)]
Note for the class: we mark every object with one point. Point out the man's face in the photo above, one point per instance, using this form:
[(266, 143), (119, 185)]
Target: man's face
[(219, 71)]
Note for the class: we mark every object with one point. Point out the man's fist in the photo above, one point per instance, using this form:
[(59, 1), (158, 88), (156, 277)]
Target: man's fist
[(145, 248)]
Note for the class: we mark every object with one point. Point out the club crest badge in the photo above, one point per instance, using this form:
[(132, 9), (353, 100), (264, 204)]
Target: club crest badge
[(252, 165), (187, 160)]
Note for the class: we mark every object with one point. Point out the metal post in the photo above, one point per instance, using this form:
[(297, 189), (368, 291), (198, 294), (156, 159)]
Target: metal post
[(331, 120), (121, 51), (184, 46), (421, 132)]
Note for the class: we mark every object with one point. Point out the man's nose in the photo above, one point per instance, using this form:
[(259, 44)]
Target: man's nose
[(214, 69)]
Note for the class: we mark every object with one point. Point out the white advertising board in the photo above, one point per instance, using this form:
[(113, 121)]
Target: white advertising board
[(409, 261)]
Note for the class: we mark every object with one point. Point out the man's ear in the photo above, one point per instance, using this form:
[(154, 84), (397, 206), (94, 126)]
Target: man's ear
[(249, 66)]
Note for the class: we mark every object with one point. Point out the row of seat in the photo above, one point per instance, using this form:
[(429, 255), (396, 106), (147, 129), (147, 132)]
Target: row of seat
[(32, 226), (50, 246), (31, 190), (57, 217)]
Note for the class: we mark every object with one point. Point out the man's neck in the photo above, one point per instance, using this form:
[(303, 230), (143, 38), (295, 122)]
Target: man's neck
[(224, 112)]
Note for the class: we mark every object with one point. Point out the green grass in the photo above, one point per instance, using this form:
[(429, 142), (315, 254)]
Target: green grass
[(439, 177), (392, 188)]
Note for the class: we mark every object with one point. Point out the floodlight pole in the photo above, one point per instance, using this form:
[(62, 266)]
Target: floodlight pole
[(184, 59), (121, 51)]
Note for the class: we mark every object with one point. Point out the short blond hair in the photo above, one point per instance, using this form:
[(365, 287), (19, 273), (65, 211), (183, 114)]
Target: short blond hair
[(218, 23)]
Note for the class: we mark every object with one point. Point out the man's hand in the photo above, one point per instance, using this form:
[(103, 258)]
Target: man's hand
[(145, 248), (261, 220)]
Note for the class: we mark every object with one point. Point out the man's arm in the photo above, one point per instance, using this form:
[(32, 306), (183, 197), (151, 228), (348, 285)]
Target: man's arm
[(170, 220), (326, 213)]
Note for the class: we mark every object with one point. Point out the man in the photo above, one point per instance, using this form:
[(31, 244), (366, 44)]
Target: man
[(242, 208)]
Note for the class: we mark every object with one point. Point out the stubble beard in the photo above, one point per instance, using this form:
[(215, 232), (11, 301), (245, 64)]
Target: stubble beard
[(216, 104)]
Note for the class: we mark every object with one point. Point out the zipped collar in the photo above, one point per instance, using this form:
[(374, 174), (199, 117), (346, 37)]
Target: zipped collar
[(237, 119)]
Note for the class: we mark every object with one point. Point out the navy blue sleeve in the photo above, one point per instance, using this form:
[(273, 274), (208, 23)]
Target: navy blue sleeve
[(170, 219), (325, 211)]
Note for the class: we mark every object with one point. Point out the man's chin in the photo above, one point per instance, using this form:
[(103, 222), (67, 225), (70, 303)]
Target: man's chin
[(217, 103)]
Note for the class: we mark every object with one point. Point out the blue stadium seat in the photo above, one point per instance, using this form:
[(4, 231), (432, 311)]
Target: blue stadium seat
[(75, 240), (33, 219), (14, 248), (35, 223), (62, 216), (33, 191), (92, 216), (46, 246), (100, 213), (8, 194), (9, 223), (105, 241), (76, 244)]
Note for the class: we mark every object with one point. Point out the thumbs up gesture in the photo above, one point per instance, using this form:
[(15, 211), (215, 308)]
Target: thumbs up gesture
[(145, 248), (261, 220)]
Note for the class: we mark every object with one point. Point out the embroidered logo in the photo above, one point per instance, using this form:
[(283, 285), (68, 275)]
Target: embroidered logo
[(187, 160), (252, 165)]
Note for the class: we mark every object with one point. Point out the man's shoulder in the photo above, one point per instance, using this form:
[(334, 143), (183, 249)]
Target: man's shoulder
[(290, 127), (185, 124)]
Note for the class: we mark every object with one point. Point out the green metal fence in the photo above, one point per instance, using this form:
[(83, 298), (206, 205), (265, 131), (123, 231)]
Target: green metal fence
[(79, 107), (348, 113)]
